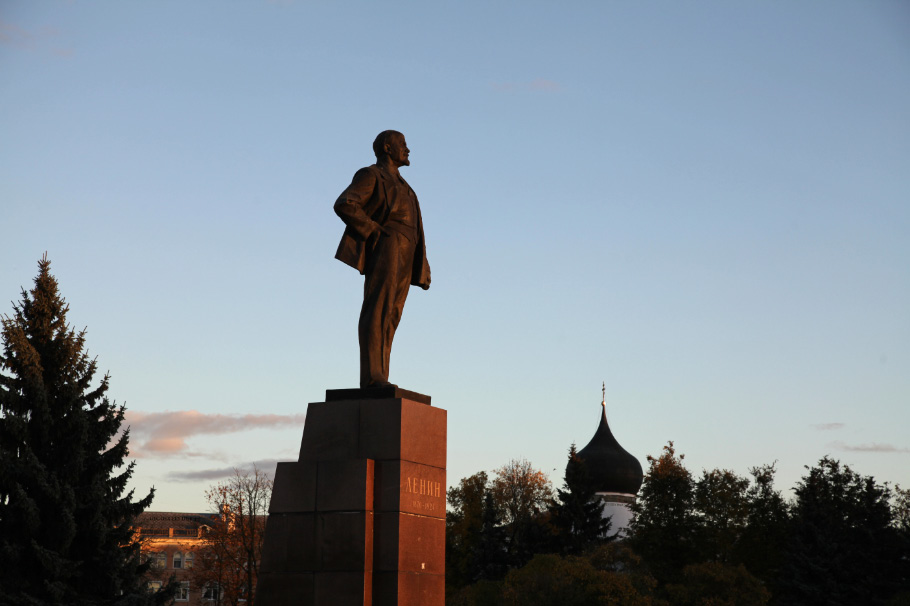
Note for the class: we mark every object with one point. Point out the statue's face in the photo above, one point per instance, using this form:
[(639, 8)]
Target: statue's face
[(398, 151)]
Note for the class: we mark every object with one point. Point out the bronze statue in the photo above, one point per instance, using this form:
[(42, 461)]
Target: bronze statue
[(383, 239)]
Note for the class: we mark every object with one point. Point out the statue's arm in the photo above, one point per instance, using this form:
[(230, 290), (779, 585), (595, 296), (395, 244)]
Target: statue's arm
[(349, 205)]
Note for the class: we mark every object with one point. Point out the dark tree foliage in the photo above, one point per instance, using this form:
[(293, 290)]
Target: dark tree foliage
[(721, 540), (901, 523), (691, 534), (902, 510), (608, 575), (481, 593), (475, 539), (494, 526), (663, 529), (528, 537), (718, 584), (65, 522), (761, 546), (522, 495), (464, 520), (490, 559), (577, 513), (843, 545), (722, 509)]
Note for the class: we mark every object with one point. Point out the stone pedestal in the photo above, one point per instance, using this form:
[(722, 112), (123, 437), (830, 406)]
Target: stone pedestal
[(359, 519)]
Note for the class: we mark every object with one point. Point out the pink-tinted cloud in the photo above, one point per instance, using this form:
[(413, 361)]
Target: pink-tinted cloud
[(536, 85), (208, 475), (14, 35), (165, 445), (42, 40), (873, 447), (544, 85), (828, 426), (165, 434)]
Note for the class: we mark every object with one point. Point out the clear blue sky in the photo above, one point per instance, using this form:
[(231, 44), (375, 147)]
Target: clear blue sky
[(705, 205)]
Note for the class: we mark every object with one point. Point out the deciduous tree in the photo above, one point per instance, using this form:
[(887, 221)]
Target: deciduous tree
[(663, 527), (722, 509), (520, 490), (718, 584), (475, 545), (233, 547), (761, 546), (550, 579), (521, 494)]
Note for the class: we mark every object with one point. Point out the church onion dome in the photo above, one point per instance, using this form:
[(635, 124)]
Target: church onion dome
[(611, 467)]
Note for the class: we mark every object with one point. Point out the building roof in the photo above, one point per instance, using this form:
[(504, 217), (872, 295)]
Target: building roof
[(174, 519), (611, 467)]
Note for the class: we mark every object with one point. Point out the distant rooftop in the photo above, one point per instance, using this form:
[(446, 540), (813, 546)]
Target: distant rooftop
[(174, 519)]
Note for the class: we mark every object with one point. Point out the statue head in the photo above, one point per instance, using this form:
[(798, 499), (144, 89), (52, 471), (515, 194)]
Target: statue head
[(391, 143)]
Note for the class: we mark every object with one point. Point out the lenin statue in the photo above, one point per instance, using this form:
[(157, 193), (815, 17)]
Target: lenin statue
[(383, 239)]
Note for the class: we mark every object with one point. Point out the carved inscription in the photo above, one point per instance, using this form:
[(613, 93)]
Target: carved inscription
[(424, 488)]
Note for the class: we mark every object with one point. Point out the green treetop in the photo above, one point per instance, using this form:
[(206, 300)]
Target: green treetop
[(65, 515), (577, 514)]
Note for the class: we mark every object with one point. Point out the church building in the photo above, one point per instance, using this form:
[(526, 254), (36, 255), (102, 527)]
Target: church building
[(617, 474)]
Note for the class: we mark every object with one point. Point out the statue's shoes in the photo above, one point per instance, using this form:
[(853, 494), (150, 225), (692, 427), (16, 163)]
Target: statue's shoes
[(380, 384)]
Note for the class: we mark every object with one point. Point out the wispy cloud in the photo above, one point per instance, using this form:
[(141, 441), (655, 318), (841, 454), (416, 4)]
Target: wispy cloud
[(873, 447), (208, 475), (536, 85), (42, 40), (165, 434), (828, 426)]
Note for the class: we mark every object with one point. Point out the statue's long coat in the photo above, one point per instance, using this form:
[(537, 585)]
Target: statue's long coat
[(364, 204)]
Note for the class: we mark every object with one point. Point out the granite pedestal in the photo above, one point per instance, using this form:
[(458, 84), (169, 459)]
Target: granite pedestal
[(359, 519)]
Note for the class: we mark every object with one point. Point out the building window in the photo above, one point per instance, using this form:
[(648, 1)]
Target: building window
[(211, 592), (183, 592), (158, 560), (209, 559), (178, 559), (188, 560), (154, 586)]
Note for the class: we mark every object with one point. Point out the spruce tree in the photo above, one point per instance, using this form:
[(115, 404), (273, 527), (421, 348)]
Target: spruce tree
[(578, 514), (844, 547), (490, 554), (65, 515)]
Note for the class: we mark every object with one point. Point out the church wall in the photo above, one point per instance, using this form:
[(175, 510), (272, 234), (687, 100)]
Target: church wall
[(616, 507)]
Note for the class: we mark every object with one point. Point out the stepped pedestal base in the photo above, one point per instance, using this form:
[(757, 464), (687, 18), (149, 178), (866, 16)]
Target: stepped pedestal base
[(359, 519)]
